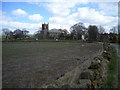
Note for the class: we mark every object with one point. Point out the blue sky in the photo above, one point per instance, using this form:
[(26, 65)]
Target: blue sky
[(30, 15), (27, 7)]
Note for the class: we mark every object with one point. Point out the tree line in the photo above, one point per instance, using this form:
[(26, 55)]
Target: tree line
[(16, 34), (92, 33)]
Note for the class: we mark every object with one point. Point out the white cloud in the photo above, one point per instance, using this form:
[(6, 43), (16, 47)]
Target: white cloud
[(61, 22), (7, 22), (19, 12), (35, 17), (63, 7), (86, 15), (58, 9), (19, 25), (63, 16), (56, 19), (92, 16), (109, 8), (58, 26)]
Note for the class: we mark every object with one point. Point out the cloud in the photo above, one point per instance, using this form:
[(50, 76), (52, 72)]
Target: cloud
[(20, 25), (8, 23), (86, 15), (30, 27), (108, 8), (58, 9), (63, 7), (62, 14), (19, 12), (63, 17), (92, 16), (56, 19), (35, 17)]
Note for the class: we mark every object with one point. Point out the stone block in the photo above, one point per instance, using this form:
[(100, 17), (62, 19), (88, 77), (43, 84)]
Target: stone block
[(50, 87), (95, 65), (66, 86), (87, 75), (85, 83)]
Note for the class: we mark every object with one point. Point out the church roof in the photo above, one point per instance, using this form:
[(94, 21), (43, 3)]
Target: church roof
[(54, 31)]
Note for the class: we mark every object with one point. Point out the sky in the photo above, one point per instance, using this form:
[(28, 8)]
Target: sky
[(60, 14)]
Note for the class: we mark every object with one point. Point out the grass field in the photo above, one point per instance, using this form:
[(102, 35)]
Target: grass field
[(32, 64)]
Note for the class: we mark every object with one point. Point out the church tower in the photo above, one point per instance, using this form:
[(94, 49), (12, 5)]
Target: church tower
[(44, 31)]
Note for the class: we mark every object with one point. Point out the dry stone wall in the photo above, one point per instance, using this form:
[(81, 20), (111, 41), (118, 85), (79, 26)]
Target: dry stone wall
[(90, 74)]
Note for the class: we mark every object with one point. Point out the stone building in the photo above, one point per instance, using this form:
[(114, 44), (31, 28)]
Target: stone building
[(44, 31), (54, 33)]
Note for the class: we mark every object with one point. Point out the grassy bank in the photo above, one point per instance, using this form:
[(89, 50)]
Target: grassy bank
[(112, 70)]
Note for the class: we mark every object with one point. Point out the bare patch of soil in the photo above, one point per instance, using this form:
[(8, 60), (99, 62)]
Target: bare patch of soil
[(32, 64)]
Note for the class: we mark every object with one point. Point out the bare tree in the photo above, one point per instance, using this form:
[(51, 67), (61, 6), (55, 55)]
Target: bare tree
[(37, 34), (101, 29), (114, 30), (6, 32), (25, 33), (77, 30)]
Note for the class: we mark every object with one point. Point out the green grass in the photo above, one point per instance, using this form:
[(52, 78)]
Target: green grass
[(112, 71)]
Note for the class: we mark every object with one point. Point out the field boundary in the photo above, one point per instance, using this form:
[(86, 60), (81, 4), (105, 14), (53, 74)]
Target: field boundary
[(95, 73)]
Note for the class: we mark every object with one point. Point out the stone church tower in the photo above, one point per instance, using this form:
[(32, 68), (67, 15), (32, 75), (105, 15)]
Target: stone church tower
[(44, 31)]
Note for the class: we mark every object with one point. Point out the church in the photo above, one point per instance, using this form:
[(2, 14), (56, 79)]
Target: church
[(51, 34), (44, 32)]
